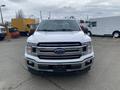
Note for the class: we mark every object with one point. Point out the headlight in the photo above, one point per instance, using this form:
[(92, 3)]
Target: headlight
[(30, 48), (89, 47), (31, 44)]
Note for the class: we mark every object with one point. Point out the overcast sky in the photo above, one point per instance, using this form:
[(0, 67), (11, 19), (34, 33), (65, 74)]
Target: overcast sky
[(61, 8)]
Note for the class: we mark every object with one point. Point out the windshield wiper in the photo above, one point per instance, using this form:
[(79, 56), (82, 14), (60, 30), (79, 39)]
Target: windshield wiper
[(50, 30), (47, 30), (64, 29)]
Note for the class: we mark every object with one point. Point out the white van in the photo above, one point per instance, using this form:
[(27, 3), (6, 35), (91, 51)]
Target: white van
[(109, 26), (59, 46)]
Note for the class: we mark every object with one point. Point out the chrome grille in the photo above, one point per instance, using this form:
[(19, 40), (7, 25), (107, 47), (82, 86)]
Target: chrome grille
[(59, 44), (72, 50), (59, 57)]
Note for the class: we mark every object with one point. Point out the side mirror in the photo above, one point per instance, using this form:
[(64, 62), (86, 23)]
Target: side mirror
[(85, 30)]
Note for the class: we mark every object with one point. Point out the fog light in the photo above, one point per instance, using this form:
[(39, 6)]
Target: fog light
[(30, 63), (88, 62)]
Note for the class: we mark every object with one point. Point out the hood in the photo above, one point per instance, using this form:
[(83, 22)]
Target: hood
[(74, 36)]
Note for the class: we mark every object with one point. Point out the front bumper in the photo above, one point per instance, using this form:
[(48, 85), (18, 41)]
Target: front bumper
[(60, 66), (2, 35)]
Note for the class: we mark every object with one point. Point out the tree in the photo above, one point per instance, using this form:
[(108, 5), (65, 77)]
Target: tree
[(20, 14)]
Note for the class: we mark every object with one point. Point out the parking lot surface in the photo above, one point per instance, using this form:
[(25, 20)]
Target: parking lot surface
[(104, 75)]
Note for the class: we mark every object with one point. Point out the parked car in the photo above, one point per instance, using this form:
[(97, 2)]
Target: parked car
[(2, 33), (14, 33), (59, 46)]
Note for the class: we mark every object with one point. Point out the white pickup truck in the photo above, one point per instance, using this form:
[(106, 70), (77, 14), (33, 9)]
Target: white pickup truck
[(59, 46)]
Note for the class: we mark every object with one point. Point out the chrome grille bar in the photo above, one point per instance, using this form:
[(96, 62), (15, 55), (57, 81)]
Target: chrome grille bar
[(71, 51)]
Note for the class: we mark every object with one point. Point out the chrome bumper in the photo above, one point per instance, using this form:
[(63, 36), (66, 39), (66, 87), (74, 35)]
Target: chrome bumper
[(59, 66)]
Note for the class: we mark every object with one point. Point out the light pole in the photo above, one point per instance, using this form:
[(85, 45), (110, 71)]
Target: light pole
[(5, 25), (1, 13)]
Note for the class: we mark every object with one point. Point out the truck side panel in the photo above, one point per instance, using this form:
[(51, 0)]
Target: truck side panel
[(105, 26), (21, 24)]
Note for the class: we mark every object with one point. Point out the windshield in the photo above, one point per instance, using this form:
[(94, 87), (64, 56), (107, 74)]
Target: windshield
[(33, 26), (58, 25)]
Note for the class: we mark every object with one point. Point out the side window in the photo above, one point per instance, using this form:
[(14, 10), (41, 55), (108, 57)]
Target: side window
[(93, 24), (89, 25)]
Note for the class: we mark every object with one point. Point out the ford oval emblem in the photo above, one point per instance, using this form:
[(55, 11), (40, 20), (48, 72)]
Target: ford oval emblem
[(59, 51)]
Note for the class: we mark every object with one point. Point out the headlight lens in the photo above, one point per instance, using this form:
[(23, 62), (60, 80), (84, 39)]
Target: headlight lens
[(89, 47), (30, 48), (31, 44)]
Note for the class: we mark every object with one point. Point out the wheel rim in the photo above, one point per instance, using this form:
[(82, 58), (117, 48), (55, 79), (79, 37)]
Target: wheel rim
[(88, 34), (116, 35)]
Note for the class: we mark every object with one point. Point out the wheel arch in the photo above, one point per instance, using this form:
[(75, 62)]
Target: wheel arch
[(90, 32), (115, 32)]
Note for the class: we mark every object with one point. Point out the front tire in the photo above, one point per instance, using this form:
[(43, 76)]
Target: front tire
[(87, 69), (33, 72), (89, 33), (116, 34)]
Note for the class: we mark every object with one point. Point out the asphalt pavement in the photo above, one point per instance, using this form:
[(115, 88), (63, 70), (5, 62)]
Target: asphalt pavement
[(104, 75)]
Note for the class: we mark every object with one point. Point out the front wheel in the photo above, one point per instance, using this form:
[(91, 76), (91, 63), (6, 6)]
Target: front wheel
[(87, 69), (116, 34), (89, 33), (33, 72)]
